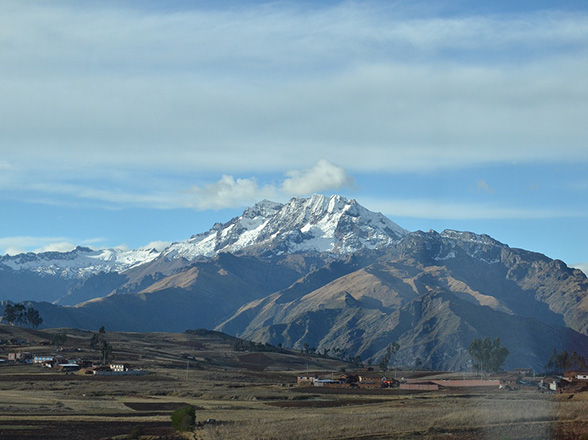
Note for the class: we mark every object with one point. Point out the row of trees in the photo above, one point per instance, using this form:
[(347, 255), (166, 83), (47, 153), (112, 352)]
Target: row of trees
[(19, 314), (243, 345), (561, 362), (488, 355)]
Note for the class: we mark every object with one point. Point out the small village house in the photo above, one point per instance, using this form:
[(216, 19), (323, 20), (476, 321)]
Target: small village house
[(524, 372), (551, 383), (575, 375), (43, 359), (328, 383), (119, 368), (67, 368), (20, 356), (305, 380)]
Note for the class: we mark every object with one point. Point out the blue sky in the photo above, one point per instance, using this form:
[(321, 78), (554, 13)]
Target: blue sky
[(128, 123)]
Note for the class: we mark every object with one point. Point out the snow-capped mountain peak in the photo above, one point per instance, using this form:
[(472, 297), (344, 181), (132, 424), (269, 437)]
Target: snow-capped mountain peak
[(316, 224)]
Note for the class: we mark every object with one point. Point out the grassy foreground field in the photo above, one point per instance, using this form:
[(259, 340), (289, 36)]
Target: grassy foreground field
[(253, 396)]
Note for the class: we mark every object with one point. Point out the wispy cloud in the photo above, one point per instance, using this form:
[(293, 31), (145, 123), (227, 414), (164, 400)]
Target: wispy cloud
[(22, 244), (264, 88), (111, 196), (448, 210)]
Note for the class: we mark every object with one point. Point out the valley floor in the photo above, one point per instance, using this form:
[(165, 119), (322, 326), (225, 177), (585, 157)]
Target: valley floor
[(47, 405), (255, 396)]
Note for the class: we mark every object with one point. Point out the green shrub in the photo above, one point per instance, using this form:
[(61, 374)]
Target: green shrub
[(184, 419)]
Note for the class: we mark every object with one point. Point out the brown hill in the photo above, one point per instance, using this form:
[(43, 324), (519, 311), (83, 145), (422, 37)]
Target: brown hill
[(487, 287)]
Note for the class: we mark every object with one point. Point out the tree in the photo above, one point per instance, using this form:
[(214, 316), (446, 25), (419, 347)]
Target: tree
[(560, 362), (550, 366), (19, 314), (9, 314), (577, 361), (99, 342), (390, 351), (106, 350), (97, 338), (488, 356), (184, 419), (355, 361), (59, 338), (33, 317)]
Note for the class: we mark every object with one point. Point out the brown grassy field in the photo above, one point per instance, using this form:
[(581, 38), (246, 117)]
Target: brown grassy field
[(252, 396)]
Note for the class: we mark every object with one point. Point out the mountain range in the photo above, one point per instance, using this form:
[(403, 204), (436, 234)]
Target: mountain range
[(320, 272)]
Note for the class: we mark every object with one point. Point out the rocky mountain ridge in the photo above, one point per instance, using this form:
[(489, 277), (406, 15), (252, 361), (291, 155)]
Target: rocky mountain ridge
[(318, 224)]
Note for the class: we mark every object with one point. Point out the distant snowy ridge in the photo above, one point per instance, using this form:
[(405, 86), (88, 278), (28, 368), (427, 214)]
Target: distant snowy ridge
[(80, 262), (316, 224)]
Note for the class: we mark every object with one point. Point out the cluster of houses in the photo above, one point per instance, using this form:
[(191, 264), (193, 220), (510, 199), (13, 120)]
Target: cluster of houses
[(520, 379), (62, 364), (570, 382), (365, 379), (378, 381)]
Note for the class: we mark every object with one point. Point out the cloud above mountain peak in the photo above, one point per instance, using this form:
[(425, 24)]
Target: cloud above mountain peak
[(229, 192)]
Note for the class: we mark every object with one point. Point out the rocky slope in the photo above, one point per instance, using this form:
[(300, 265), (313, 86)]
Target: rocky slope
[(485, 288)]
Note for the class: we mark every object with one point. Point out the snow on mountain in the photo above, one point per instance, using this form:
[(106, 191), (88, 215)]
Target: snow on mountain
[(316, 224), (480, 247), (80, 262)]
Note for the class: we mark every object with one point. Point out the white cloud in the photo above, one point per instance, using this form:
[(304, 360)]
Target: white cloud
[(323, 176), (229, 192)]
